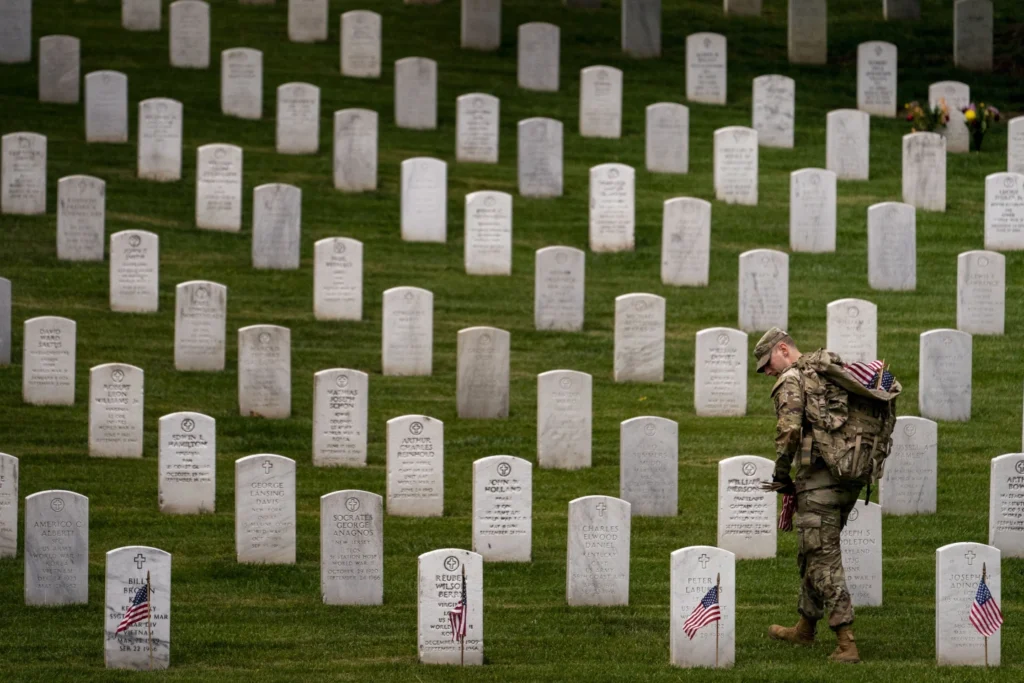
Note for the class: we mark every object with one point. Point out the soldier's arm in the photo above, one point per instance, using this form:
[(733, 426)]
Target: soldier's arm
[(789, 413)]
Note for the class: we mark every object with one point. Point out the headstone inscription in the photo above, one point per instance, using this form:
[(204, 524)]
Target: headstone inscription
[(774, 110), (106, 106), (481, 25), (639, 338), (355, 150), (695, 571), (649, 466), (8, 506), (415, 466), (116, 396), (981, 292), (861, 544), (958, 572), (706, 68), (735, 159), (265, 509), (597, 566), (48, 361), (538, 56), (146, 644), (720, 373), (972, 34), (219, 187), (140, 15), (338, 279), (307, 20), (352, 548), (56, 548), (23, 182), (59, 68), (488, 233), (476, 123), (564, 419), (764, 290), (276, 226), (807, 31), (188, 463), (667, 138), (424, 200), (558, 289), (954, 96), (265, 372), (1015, 145), (601, 102), (159, 155), (852, 330), (190, 34), (924, 171), (612, 207), (407, 337), (848, 144), (5, 322), (641, 28), (686, 242), (892, 246), (441, 576), (1005, 504), (340, 406), (1004, 210), (746, 514), (812, 210), (81, 218), (876, 78), (298, 118), (944, 375), (360, 44), (503, 508), (910, 480), (416, 93), (200, 322), (539, 157), (15, 31), (241, 83), (482, 379)]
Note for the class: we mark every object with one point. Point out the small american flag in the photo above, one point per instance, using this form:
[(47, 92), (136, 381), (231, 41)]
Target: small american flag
[(137, 611), (985, 614), (867, 374), (788, 508), (703, 614), (459, 615)]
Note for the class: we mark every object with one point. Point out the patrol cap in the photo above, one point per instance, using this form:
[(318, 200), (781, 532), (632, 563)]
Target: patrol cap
[(763, 350)]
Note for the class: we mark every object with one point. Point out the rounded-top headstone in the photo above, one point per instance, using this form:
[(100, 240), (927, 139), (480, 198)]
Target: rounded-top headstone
[(146, 644)]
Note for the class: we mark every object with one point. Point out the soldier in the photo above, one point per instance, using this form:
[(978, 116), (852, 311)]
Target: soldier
[(823, 503)]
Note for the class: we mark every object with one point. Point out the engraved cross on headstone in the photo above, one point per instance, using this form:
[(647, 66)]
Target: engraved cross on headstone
[(704, 559), (601, 507), (267, 466), (969, 556), (139, 560)]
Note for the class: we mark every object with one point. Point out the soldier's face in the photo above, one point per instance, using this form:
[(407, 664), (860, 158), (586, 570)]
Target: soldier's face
[(779, 360)]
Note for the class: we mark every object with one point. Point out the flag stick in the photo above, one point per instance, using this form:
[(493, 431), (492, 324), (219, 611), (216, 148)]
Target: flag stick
[(149, 618), (881, 371), (983, 572), (718, 594), (465, 616)]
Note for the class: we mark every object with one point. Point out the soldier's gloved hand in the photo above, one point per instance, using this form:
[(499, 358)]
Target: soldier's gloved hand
[(783, 485)]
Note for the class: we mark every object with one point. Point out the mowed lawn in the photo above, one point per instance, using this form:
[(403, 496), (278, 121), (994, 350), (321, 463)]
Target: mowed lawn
[(235, 622)]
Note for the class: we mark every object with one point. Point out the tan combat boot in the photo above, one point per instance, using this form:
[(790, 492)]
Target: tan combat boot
[(801, 634), (847, 650)]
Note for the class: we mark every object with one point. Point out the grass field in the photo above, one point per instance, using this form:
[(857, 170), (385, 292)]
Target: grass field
[(235, 622)]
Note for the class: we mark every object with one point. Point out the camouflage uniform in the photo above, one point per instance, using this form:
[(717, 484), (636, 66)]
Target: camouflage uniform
[(822, 505)]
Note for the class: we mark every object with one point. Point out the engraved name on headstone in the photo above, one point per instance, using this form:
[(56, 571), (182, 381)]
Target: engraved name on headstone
[(146, 644), (924, 171), (558, 289), (944, 378), (695, 571), (424, 200), (8, 506), (812, 210), (355, 150), (338, 279), (564, 419), (116, 401), (81, 218), (190, 34), (1004, 209), (298, 118), (106, 107), (159, 155), (488, 233), (352, 548), (439, 578), (407, 337), (746, 514), (861, 545), (276, 226), (48, 361), (720, 373), (540, 157), (848, 144), (503, 508), (774, 110), (910, 480), (639, 338), (23, 182), (958, 570), (219, 187), (476, 140), (538, 56), (601, 102), (981, 292), (134, 271), (1005, 504), (876, 78), (59, 68), (764, 290), (735, 174), (706, 68), (340, 406), (686, 242), (415, 466), (416, 93), (482, 378), (360, 44), (667, 138), (188, 463), (56, 548), (241, 83), (852, 330), (200, 320), (612, 207), (265, 371), (265, 509), (597, 567), (649, 466)]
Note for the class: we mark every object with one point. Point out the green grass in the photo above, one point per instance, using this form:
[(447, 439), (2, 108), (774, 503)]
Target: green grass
[(237, 622)]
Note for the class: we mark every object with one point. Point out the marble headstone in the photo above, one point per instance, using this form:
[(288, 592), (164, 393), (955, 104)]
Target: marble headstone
[(265, 509), (8, 506), (15, 31), (639, 338), (424, 200), (601, 102), (1004, 210), (59, 68), (981, 292), (476, 117), (852, 330), (146, 645), (746, 514), (958, 570), (190, 34), (81, 218), (338, 279), (159, 149), (735, 161), (360, 44), (564, 419), (807, 31), (861, 544), (686, 242), (695, 571), (892, 246), (140, 15), (612, 207), (439, 578), (1015, 145), (558, 289), (764, 290), (341, 401), (482, 378), (106, 107), (743, 8), (649, 466), (641, 28), (812, 211), (944, 378), (481, 25), (774, 110), (48, 361), (352, 548), (972, 34), (416, 93), (188, 463), (200, 321), (876, 78), (706, 68), (955, 96), (116, 402), (5, 322), (298, 118), (415, 466), (540, 157), (848, 144), (667, 138), (265, 371), (134, 271), (503, 508), (276, 226), (1005, 504), (355, 150), (538, 56), (901, 9), (307, 20), (241, 83), (597, 566), (56, 548), (924, 171), (23, 185), (488, 233), (720, 373), (219, 187), (407, 338), (910, 480)]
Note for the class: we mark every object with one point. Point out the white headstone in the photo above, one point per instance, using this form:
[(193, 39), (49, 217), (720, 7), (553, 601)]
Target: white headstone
[(981, 292), (416, 93), (355, 150), (424, 200), (639, 338), (415, 466), (601, 102), (5, 322), (481, 24), (538, 56), (360, 44), (219, 187), (477, 118), (876, 78), (146, 644), (720, 373), (910, 479), (15, 31), (649, 466), (848, 144), (852, 330), (807, 27), (746, 514), (106, 107), (341, 401), (307, 20), (892, 246), (439, 577), (276, 226), (958, 570), (944, 379), (59, 68), (1004, 210), (764, 290), (116, 402), (861, 544), (24, 173), (597, 567), (924, 171), (695, 571), (265, 371), (140, 15), (1005, 504), (558, 289), (488, 233), (352, 548), (747, 8), (667, 137), (81, 218), (735, 162), (564, 419), (56, 548), (901, 9), (298, 118), (774, 110), (685, 242), (612, 207), (540, 157), (812, 210), (1015, 145), (641, 28), (503, 508), (338, 279), (8, 506), (190, 34), (48, 361), (706, 68), (954, 95), (159, 155), (407, 337), (241, 83), (200, 320), (265, 509), (188, 463), (972, 34), (482, 378)]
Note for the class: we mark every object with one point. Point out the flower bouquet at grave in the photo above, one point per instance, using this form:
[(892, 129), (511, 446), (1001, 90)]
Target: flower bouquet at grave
[(927, 119), (978, 119)]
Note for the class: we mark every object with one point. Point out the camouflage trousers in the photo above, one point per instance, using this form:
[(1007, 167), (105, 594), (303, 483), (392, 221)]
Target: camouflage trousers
[(820, 516)]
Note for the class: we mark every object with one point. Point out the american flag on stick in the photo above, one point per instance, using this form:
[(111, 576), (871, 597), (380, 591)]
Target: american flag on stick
[(873, 375), (460, 613), (703, 614), (985, 613), (788, 508), (137, 611)]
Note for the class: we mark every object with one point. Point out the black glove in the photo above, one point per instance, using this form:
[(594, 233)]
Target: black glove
[(781, 485)]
